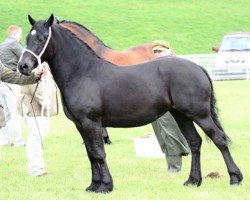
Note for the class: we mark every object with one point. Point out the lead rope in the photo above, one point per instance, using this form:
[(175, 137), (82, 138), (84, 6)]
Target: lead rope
[(46, 99), (46, 96), (31, 103)]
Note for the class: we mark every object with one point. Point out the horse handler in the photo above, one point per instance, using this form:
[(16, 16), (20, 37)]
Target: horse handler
[(9, 76), (168, 134), (37, 105)]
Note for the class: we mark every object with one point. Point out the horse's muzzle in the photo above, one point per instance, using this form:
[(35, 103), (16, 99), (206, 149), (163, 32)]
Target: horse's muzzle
[(24, 69)]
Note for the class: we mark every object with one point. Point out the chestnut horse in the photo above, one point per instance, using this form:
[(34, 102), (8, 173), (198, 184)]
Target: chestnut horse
[(131, 56)]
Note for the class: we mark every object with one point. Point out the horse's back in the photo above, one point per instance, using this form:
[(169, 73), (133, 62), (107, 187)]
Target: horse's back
[(185, 70)]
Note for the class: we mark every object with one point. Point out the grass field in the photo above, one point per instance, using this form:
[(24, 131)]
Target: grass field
[(134, 178), (191, 27)]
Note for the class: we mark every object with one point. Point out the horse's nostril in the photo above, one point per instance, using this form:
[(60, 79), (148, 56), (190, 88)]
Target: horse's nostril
[(25, 66)]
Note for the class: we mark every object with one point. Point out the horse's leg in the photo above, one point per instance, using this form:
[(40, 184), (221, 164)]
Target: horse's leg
[(101, 177), (194, 140), (220, 140), (96, 175)]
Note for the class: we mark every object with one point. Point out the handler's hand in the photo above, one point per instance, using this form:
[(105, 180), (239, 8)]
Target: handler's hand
[(39, 71)]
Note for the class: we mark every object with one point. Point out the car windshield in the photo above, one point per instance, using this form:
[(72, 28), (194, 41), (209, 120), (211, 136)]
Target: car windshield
[(235, 44)]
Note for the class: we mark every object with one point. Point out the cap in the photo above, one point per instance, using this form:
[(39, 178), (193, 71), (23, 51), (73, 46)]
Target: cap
[(160, 45)]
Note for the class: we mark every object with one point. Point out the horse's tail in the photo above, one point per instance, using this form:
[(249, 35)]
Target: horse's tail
[(213, 108)]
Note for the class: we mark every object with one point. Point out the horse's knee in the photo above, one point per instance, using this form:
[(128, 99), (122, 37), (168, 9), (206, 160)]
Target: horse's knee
[(98, 155)]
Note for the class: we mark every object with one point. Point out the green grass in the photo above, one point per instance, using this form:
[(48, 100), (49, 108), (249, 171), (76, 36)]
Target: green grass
[(191, 27), (134, 178)]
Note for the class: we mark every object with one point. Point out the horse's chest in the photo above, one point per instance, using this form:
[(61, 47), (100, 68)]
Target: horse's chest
[(80, 101)]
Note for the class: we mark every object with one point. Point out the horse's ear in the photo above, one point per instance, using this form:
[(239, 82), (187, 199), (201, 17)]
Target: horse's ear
[(32, 21), (50, 21)]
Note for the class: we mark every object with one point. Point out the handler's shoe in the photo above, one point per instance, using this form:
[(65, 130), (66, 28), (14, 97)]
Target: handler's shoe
[(20, 145), (9, 144), (43, 174), (174, 163), (39, 173)]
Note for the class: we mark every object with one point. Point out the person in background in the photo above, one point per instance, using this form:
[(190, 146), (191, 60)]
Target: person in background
[(162, 48), (10, 52), (37, 117), (168, 134)]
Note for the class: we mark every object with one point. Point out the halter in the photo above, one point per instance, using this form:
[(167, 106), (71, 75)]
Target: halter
[(38, 57)]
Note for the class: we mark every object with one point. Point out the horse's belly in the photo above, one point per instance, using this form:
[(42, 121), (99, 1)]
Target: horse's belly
[(131, 120), (125, 123)]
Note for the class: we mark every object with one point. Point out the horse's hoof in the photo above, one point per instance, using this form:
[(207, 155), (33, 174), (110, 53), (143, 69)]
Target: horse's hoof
[(193, 181), (105, 188), (93, 186), (236, 179)]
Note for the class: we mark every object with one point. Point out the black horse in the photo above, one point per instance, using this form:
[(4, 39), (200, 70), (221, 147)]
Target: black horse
[(99, 94)]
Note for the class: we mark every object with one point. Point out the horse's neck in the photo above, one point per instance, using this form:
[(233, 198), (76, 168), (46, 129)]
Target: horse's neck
[(68, 60), (86, 36)]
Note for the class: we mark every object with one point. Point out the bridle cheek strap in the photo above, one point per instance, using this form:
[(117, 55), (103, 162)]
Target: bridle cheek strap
[(38, 57)]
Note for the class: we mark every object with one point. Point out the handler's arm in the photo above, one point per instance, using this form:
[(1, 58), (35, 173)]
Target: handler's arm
[(9, 76)]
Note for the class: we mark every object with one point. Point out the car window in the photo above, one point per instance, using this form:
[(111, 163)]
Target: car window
[(235, 44)]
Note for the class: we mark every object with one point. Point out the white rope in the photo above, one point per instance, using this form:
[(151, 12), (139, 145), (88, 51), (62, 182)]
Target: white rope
[(46, 92), (45, 82)]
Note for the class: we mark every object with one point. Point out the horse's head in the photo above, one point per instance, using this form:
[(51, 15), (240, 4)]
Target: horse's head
[(38, 47)]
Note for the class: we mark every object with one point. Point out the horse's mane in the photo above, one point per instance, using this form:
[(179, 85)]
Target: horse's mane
[(85, 28), (82, 43), (98, 40)]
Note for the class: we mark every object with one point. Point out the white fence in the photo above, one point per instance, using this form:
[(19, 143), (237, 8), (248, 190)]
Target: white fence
[(208, 62)]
